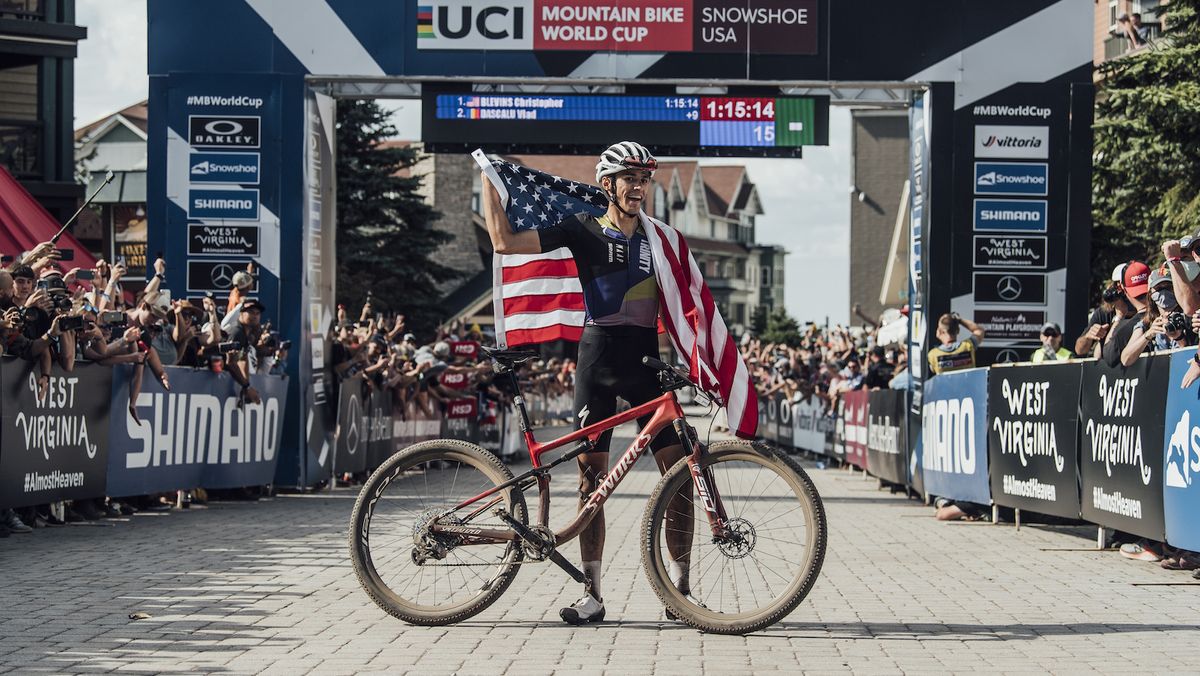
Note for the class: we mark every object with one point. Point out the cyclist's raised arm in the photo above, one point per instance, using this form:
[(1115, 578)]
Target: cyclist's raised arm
[(504, 240)]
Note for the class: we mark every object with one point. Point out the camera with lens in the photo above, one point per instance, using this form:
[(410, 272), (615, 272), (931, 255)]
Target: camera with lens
[(285, 345), (1111, 294), (1177, 321), (114, 319), (56, 291)]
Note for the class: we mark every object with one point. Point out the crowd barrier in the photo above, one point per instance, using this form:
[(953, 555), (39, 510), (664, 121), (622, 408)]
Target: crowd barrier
[(1115, 446), (81, 441)]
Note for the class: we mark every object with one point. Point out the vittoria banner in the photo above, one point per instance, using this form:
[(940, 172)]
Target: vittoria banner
[(56, 447), (1033, 417), (201, 433), (1121, 445)]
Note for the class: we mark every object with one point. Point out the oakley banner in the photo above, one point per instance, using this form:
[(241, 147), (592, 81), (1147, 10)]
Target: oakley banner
[(954, 436), (199, 434), (855, 428), (1121, 445), (1181, 457), (1033, 419), (55, 448), (886, 457)]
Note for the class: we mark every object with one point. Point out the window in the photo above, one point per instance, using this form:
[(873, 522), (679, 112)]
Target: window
[(739, 313), (779, 276), (1112, 14), (766, 276), (660, 203), (740, 268)]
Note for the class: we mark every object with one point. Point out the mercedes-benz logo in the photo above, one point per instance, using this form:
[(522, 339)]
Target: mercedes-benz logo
[(353, 416), (1007, 356), (1009, 287), (222, 275)]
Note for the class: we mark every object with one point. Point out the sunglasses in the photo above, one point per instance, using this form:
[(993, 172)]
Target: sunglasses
[(1051, 334)]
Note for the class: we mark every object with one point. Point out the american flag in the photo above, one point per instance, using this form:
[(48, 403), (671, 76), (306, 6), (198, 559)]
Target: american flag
[(538, 298)]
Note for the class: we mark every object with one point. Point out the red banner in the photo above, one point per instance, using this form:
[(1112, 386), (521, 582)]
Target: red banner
[(855, 413), (465, 348), (462, 408), (455, 381)]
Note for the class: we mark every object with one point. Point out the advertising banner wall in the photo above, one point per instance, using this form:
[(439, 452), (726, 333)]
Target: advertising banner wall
[(855, 428), (954, 436), (1181, 457), (380, 441), (1033, 416), (808, 425), (462, 420), (352, 446), (783, 431), (886, 457), (1121, 444), (490, 427), (198, 434), (55, 448)]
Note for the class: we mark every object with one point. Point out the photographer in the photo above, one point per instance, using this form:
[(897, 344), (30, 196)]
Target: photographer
[(1163, 326), (954, 354)]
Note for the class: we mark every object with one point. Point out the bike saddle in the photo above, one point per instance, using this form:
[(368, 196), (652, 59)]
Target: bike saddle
[(509, 358)]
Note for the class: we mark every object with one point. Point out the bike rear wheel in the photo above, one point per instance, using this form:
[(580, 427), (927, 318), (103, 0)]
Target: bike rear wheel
[(755, 579), (412, 574)]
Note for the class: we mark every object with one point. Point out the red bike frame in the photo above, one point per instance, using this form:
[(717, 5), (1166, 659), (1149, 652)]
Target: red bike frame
[(667, 412)]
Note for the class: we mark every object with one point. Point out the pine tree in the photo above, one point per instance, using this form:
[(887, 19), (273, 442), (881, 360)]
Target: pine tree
[(1146, 162), (782, 329), (758, 320), (385, 237)]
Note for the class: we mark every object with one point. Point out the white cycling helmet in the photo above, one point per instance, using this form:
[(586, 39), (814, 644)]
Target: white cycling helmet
[(624, 155)]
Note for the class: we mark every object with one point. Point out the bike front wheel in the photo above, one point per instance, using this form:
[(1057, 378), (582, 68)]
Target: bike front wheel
[(419, 576), (768, 564)]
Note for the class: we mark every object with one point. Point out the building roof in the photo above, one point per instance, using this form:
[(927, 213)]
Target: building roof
[(721, 187), (136, 115), (716, 245)]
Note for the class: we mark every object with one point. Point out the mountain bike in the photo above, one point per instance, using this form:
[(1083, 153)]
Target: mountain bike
[(441, 529)]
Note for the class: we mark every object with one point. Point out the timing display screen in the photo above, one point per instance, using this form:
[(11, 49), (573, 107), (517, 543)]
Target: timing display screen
[(701, 125)]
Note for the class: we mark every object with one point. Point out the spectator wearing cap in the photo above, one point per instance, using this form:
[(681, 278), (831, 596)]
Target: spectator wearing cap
[(1052, 349), (1183, 258), (954, 353), (1100, 323), (879, 369), (1163, 327), (1134, 287)]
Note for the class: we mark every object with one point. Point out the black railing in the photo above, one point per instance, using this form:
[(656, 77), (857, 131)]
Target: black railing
[(22, 9), (21, 147)]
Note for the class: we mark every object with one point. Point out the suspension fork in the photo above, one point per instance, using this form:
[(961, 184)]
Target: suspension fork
[(702, 479)]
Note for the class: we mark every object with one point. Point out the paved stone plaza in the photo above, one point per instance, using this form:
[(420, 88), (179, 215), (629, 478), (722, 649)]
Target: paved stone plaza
[(268, 587)]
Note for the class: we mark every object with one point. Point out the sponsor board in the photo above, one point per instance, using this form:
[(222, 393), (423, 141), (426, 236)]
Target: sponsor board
[(222, 240), (1004, 251), (809, 425), (1000, 110), (1011, 325), (56, 448), (223, 205), (1010, 215), (224, 131), (953, 459), (1181, 457), (1012, 141), (1033, 416), (887, 456), (854, 430), (201, 433), (215, 276), (240, 168), (1030, 179), (1121, 445), (1000, 287), (761, 26)]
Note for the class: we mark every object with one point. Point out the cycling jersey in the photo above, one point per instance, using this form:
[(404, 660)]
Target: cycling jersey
[(616, 273)]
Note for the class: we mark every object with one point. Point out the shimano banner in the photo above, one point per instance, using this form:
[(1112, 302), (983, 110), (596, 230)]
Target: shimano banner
[(1120, 445), (53, 448), (1181, 457), (855, 427), (353, 429), (954, 436), (886, 414), (199, 434), (1033, 415)]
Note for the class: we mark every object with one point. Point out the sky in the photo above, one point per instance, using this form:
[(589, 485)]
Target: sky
[(806, 202)]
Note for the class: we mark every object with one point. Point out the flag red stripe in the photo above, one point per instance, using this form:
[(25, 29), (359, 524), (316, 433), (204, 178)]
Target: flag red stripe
[(542, 335), (535, 269), (542, 303)]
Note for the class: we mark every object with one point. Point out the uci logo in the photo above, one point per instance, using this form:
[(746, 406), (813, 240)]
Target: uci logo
[(463, 24), (1183, 454)]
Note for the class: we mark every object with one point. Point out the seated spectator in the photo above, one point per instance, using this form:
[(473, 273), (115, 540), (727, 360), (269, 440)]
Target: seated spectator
[(954, 354), (1052, 349)]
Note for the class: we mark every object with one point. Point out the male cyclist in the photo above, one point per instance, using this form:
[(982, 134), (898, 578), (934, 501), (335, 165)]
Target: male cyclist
[(620, 295)]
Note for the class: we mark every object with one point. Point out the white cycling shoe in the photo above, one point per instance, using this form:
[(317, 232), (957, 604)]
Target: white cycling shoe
[(584, 611)]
